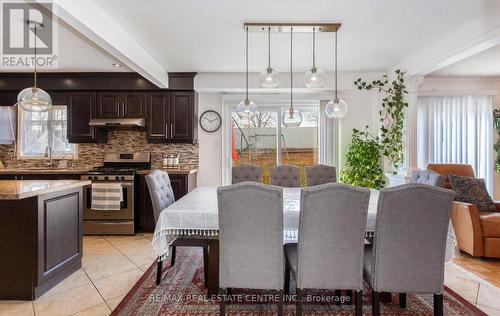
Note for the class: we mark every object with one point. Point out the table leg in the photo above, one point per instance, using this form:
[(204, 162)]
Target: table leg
[(385, 297), (213, 267)]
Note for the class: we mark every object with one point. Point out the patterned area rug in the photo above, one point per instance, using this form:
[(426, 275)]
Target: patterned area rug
[(182, 292)]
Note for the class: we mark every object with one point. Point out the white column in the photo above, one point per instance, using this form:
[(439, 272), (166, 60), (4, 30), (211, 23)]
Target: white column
[(410, 145)]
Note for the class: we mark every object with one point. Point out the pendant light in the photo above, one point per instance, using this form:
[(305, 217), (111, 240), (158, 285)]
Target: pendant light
[(269, 78), (314, 78), (246, 106), (336, 108), (34, 99), (292, 117)]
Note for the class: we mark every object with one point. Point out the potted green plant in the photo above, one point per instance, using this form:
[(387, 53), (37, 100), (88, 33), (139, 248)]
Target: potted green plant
[(496, 124), (363, 157)]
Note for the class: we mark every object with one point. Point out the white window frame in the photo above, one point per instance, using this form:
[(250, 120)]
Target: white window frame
[(327, 128), (20, 131)]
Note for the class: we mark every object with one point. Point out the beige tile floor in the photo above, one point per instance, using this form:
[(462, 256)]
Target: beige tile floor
[(112, 265)]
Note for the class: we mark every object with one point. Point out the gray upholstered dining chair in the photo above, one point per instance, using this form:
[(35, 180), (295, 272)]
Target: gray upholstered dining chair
[(285, 176), (428, 177), (162, 195), (251, 238), (243, 173), (329, 253), (408, 252), (320, 174)]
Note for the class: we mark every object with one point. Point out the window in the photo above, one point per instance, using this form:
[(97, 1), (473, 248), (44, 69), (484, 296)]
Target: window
[(456, 129), (265, 141), (37, 131)]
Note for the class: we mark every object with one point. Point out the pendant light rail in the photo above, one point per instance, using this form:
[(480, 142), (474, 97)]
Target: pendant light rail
[(260, 27)]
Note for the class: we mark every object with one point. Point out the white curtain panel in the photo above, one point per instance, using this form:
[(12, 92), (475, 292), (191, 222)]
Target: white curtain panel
[(456, 129)]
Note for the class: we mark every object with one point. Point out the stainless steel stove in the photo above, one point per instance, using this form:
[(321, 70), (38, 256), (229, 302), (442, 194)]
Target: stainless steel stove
[(117, 168)]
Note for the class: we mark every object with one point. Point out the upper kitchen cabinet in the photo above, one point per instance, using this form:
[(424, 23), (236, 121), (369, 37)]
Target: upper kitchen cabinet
[(8, 98), (121, 104), (172, 117), (81, 109)]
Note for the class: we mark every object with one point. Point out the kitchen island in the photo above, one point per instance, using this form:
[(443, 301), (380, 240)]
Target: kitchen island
[(40, 235)]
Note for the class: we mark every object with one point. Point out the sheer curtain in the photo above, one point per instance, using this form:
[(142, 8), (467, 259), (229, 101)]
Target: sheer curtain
[(457, 129)]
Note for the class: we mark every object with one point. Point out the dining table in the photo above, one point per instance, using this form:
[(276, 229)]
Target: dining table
[(195, 216)]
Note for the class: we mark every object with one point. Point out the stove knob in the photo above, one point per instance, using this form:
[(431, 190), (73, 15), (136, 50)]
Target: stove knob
[(122, 178), (117, 178), (95, 178), (106, 178), (90, 177)]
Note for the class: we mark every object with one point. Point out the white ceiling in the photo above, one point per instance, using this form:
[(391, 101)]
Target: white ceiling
[(484, 64), (76, 53), (208, 36)]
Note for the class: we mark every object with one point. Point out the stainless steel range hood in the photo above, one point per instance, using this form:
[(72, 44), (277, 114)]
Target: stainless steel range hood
[(118, 122)]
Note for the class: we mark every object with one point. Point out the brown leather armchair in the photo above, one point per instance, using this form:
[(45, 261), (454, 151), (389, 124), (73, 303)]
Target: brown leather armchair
[(477, 233)]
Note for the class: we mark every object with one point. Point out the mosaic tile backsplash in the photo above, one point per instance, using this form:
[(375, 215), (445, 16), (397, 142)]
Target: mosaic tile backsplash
[(91, 155)]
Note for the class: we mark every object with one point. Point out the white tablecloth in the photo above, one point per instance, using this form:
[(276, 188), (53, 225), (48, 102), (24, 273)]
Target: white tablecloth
[(196, 215)]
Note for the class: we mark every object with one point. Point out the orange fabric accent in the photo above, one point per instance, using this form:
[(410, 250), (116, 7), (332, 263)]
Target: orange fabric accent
[(234, 153)]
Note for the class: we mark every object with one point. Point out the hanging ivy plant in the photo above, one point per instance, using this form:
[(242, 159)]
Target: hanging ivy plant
[(362, 166), (391, 114), (496, 124)]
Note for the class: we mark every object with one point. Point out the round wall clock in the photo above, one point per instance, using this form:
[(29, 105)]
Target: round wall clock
[(210, 121)]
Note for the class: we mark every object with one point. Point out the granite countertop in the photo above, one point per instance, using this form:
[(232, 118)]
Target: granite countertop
[(179, 170), (21, 189), (43, 171)]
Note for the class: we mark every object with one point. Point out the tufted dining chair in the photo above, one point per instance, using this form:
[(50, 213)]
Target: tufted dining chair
[(329, 253), (287, 176), (428, 177), (243, 173), (162, 195), (408, 252), (251, 238), (320, 174)]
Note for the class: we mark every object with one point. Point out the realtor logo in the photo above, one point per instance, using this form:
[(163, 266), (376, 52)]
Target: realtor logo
[(25, 24)]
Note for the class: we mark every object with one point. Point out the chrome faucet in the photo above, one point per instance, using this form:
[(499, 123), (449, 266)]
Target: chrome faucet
[(48, 154)]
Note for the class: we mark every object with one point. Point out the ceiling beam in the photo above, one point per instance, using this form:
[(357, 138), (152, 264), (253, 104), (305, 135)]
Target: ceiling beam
[(94, 23), (467, 41)]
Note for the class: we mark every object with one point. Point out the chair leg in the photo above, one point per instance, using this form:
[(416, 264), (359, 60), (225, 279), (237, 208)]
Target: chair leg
[(438, 304), (299, 302), (287, 277), (159, 270), (205, 265), (350, 296), (338, 294), (359, 303), (375, 303), (402, 300), (222, 303), (280, 303), (172, 259)]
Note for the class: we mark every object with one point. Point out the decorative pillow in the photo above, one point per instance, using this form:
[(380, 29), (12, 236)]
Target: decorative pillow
[(473, 191)]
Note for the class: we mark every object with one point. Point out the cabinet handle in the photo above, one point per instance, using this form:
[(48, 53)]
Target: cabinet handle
[(166, 131), (171, 130)]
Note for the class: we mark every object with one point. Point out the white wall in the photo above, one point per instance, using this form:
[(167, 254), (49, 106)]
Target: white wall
[(362, 110), (450, 85)]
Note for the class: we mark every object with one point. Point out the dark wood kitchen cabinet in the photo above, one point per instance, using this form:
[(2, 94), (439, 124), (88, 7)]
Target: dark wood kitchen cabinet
[(81, 109), (182, 184), (172, 117), (121, 104), (40, 242), (8, 98)]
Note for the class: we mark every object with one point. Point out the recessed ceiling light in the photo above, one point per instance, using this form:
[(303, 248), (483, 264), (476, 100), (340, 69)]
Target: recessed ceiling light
[(116, 65)]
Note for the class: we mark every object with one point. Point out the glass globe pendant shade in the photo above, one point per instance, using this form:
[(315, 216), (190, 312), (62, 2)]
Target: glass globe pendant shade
[(246, 106), (315, 78), (269, 78), (34, 99), (292, 118), (336, 109)]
